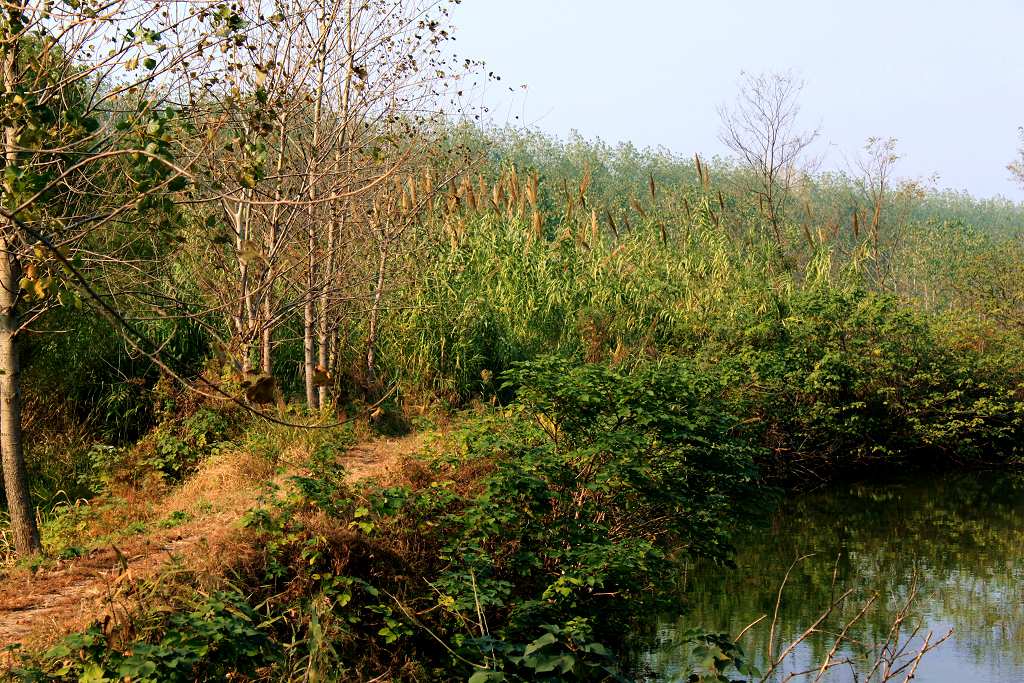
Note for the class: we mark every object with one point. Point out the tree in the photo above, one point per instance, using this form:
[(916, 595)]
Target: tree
[(874, 174), (88, 93), (272, 135), (1016, 167), (330, 103), (761, 128)]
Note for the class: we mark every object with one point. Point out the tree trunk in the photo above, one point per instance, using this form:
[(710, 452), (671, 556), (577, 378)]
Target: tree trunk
[(19, 505), (324, 322), (241, 318), (270, 249), (308, 322), (323, 352), (310, 312), (267, 344), (23, 520), (371, 335)]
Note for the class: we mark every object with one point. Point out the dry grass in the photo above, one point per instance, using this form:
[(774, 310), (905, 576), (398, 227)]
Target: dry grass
[(37, 608)]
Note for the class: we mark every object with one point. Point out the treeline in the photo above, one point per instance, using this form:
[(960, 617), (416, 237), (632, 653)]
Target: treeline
[(621, 171)]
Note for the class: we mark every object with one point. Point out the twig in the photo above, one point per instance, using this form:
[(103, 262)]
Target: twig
[(778, 602)]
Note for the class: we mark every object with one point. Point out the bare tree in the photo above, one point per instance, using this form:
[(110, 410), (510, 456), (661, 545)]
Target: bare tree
[(1016, 167), (761, 128), (390, 79), (325, 107), (270, 134), (874, 173)]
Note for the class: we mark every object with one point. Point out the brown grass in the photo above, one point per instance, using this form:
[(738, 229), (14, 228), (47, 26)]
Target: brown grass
[(37, 608)]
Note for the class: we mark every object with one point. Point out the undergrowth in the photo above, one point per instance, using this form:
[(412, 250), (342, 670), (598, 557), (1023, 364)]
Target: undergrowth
[(516, 552), (526, 543)]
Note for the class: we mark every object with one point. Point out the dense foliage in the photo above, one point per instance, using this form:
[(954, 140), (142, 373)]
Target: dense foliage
[(223, 216), (657, 374), (638, 256), (524, 550)]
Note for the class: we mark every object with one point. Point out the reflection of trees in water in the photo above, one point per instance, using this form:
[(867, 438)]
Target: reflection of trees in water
[(963, 537)]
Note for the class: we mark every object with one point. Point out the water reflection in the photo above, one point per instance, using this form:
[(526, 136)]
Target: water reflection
[(962, 537)]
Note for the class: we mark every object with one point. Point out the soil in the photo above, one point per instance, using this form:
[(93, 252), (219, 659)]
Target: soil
[(36, 608)]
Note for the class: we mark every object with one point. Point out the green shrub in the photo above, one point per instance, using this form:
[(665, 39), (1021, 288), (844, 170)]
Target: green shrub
[(840, 378), (208, 640), (552, 525), (178, 446)]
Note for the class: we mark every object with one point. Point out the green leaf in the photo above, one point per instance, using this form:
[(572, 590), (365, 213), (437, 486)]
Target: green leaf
[(542, 642), (247, 179)]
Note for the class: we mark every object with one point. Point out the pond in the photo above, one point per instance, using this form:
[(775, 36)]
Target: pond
[(958, 541)]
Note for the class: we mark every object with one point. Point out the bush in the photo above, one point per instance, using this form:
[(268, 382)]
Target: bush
[(217, 635), (835, 379), (550, 526)]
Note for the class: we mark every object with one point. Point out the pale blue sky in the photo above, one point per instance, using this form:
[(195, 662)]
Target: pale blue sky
[(945, 77)]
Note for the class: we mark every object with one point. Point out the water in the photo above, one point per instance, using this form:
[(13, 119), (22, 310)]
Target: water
[(960, 540)]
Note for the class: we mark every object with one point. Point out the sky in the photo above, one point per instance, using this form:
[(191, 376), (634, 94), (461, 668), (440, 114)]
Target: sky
[(944, 77)]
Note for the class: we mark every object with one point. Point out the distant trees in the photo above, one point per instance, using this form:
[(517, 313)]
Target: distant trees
[(761, 127), (873, 171), (890, 200)]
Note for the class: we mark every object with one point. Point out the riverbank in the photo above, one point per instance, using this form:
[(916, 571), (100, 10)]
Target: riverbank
[(518, 543)]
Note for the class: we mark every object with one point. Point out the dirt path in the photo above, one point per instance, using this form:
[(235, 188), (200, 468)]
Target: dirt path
[(38, 608)]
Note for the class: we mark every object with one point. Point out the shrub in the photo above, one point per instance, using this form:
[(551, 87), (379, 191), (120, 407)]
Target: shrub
[(207, 640), (839, 378), (549, 526)]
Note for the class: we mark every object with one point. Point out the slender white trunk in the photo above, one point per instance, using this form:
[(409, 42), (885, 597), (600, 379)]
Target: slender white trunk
[(309, 318), (19, 504), (323, 352), (308, 321), (371, 333), (324, 356), (270, 248)]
